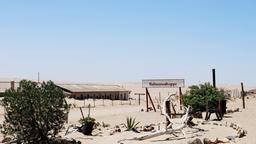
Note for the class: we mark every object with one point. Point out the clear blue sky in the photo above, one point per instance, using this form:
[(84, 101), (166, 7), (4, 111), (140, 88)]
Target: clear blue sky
[(129, 40)]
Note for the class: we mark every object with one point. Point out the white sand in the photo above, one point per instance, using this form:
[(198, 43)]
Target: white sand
[(116, 114)]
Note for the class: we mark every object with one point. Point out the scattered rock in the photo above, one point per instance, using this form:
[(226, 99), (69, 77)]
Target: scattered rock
[(205, 123), (148, 128), (216, 141), (104, 125), (6, 140), (135, 130), (196, 141), (231, 138), (116, 129), (215, 124), (198, 115), (241, 133), (64, 141), (207, 141), (233, 111)]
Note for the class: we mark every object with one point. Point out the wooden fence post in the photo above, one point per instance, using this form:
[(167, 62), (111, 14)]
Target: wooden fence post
[(243, 95), (213, 78), (181, 98)]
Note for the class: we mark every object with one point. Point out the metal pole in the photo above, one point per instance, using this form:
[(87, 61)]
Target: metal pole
[(38, 77)]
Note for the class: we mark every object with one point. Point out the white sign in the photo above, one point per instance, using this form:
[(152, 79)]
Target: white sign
[(163, 83)]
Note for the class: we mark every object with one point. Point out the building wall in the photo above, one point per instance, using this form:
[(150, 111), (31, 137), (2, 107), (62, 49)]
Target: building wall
[(102, 95)]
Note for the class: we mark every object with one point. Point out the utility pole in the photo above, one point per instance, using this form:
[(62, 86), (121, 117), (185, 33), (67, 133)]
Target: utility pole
[(38, 77)]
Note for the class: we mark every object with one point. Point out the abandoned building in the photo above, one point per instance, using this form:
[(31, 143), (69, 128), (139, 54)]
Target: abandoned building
[(92, 91), (81, 91)]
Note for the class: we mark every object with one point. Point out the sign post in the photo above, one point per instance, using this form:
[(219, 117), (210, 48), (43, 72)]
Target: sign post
[(139, 94), (160, 83)]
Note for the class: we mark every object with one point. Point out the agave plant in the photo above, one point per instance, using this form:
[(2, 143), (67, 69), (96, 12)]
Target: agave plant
[(130, 123)]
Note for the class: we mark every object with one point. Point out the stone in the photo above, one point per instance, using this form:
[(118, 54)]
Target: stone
[(224, 140), (241, 133), (196, 141), (148, 128), (215, 124), (6, 140), (198, 115), (231, 138), (207, 141)]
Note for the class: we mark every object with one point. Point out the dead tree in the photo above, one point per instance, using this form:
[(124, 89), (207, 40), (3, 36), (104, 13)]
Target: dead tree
[(180, 128)]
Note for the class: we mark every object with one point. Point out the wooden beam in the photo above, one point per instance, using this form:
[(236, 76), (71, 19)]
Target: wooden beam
[(147, 99), (150, 99)]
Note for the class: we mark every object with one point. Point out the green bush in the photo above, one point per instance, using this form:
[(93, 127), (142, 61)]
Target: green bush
[(198, 95), (130, 123), (85, 121), (34, 113)]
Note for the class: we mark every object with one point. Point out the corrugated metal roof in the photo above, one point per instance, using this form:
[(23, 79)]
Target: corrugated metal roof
[(92, 88)]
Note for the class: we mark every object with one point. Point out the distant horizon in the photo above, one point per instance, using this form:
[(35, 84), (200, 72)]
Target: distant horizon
[(238, 85), (121, 41)]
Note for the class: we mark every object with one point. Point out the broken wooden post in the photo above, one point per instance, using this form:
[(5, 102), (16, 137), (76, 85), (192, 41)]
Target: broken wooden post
[(207, 109), (81, 112), (181, 98), (94, 102), (139, 99), (174, 110), (12, 85), (183, 124), (168, 112), (89, 110), (243, 95), (103, 102)]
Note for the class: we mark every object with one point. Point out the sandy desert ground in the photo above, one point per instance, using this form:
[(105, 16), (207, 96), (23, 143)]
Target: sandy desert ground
[(115, 114)]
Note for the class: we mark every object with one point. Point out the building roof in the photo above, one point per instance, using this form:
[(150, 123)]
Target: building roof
[(91, 88), (253, 91)]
